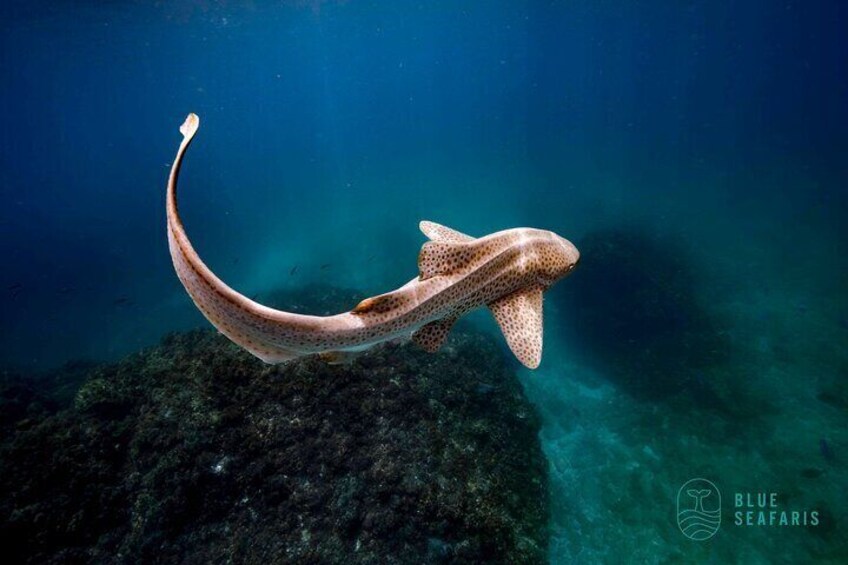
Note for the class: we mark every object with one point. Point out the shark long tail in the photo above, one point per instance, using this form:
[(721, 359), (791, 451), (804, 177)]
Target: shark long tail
[(272, 335)]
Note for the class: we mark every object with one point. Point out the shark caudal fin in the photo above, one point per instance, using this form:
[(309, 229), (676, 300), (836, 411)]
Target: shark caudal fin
[(519, 316), (190, 125), (437, 232), (274, 336)]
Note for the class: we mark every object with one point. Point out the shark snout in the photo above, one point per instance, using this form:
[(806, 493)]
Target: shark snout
[(572, 255)]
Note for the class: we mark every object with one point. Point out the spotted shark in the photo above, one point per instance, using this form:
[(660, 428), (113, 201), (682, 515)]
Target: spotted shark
[(506, 271)]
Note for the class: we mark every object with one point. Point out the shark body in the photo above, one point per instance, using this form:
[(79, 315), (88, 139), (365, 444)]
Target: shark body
[(507, 271)]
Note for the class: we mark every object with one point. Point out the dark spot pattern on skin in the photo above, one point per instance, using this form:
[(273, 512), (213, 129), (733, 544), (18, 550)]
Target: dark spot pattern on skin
[(520, 318), (457, 273), (501, 267), (433, 335)]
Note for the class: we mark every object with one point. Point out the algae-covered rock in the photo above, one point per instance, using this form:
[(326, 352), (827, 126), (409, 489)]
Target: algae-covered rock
[(27, 398), (193, 451)]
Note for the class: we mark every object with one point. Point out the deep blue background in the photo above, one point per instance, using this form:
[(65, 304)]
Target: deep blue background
[(329, 129)]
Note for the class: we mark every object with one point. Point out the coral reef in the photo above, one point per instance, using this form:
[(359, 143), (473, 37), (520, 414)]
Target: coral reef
[(193, 451)]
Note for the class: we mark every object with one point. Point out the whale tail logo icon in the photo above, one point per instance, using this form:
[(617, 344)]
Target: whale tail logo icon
[(698, 509)]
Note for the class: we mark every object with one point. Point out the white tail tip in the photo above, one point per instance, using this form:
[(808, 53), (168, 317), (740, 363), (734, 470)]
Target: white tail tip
[(190, 125)]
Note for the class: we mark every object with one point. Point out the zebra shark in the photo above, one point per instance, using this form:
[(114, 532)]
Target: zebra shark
[(507, 271)]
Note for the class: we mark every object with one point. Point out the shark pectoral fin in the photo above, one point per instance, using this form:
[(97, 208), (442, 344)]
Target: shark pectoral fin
[(519, 316), (443, 258), (432, 336), (438, 232)]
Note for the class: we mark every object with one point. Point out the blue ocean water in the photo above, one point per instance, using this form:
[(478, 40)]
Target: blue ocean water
[(694, 152)]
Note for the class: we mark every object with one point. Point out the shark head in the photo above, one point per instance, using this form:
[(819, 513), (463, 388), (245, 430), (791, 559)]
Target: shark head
[(558, 258), (507, 271)]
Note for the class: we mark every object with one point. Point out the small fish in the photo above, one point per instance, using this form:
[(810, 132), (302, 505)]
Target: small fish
[(122, 301), (326, 266), (66, 290), (293, 271), (235, 261), (826, 451)]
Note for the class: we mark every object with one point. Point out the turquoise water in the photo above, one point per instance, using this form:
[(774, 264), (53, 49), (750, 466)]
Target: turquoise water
[(695, 155)]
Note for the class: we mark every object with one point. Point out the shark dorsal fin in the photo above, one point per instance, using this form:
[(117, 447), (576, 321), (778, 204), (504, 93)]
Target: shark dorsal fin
[(519, 316), (438, 232), (443, 258), (432, 336)]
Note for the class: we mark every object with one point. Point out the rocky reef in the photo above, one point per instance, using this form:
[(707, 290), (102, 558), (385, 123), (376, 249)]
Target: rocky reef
[(195, 452)]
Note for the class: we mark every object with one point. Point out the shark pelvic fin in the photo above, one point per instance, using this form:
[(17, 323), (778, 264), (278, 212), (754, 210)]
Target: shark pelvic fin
[(438, 232), (442, 258), (519, 316), (432, 336)]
